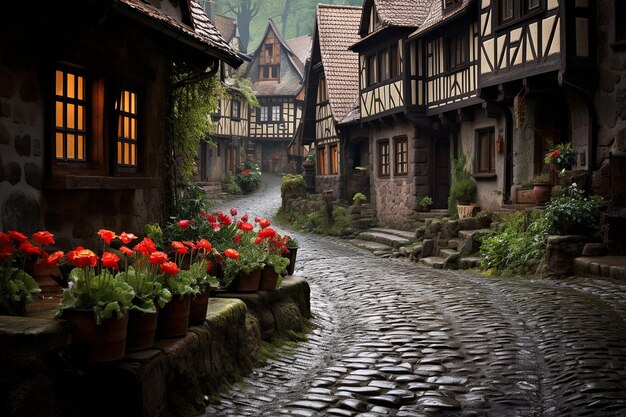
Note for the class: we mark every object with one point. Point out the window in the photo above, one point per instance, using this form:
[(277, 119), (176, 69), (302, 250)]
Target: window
[(401, 156), (394, 57), (486, 161), (456, 50), (235, 110), (264, 114), (383, 158), (321, 161), (383, 65), (513, 10), (322, 93), (371, 70), (334, 159), (126, 108), (276, 113), (70, 130), (620, 20), (269, 68)]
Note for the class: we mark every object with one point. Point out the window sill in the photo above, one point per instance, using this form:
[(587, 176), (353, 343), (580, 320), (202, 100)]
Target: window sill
[(81, 182), (487, 176)]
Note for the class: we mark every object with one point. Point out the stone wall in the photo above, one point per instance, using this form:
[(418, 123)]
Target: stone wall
[(328, 182), (174, 379)]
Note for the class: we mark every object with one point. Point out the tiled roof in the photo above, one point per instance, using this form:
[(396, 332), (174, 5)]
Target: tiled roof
[(226, 26), (409, 13), (436, 15), (301, 47), (354, 115), (338, 28), (286, 87), (201, 31)]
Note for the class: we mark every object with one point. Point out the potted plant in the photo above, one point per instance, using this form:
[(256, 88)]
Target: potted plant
[(204, 283), (542, 188), (562, 156), (462, 189), (242, 267), (425, 203), (96, 304), (273, 272), (17, 287), (484, 218), (292, 246), (359, 198), (571, 212)]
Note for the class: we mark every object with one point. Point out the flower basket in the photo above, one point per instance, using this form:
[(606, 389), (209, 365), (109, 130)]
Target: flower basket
[(269, 279), (104, 343), (174, 317), (465, 210), (199, 306), (142, 329)]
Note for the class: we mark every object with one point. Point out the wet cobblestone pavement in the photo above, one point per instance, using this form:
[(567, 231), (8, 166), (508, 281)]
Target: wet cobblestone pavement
[(398, 339)]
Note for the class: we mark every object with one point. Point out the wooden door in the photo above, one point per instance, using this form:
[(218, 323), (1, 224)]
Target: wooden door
[(440, 179)]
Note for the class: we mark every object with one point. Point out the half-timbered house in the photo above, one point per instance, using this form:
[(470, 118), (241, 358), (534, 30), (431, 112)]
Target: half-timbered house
[(277, 75), (332, 87), (83, 120), (398, 151)]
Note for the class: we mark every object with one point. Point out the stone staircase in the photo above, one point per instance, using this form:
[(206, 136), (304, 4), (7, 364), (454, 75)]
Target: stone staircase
[(363, 216), (439, 243)]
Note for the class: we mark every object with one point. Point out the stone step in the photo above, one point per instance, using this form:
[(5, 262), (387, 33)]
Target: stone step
[(448, 253), (371, 246), (601, 266), (401, 233), (435, 262), (455, 243), (469, 262), (363, 223), (464, 234), (384, 238)]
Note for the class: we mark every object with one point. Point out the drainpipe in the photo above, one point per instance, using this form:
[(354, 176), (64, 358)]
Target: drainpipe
[(588, 100)]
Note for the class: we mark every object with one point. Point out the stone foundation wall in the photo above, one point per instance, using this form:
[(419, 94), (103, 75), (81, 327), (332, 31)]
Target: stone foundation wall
[(174, 379)]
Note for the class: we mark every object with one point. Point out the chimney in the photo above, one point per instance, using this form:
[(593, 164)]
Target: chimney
[(209, 9)]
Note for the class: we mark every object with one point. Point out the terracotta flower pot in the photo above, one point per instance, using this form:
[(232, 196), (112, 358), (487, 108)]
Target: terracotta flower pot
[(542, 193), (141, 330), (174, 317), (199, 305), (247, 282), (269, 279), (104, 343)]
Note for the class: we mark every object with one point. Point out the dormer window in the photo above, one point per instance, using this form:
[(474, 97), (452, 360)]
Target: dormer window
[(269, 68), (449, 4)]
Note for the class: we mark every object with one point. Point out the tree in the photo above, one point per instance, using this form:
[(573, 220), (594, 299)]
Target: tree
[(245, 11)]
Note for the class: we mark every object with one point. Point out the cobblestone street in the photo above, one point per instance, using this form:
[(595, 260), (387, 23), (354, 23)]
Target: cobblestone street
[(394, 338)]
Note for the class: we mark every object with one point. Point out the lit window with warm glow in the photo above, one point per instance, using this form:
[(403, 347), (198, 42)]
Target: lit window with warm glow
[(126, 107), (69, 115)]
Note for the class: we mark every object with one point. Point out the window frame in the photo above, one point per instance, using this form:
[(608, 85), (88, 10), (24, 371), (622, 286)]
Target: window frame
[(371, 70), (124, 168), (521, 11), (322, 168), (64, 130), (274, 119), (265, 119), (333, 154), (401, 156), (384, 168), (232, 109), (458, 39), (491, 140)]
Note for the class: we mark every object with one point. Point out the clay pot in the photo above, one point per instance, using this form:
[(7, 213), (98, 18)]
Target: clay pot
[(199, 306), (269, 279), (141, 330), (102, 344), (247, 282), (174, 317), (292, 260), (542, 193)]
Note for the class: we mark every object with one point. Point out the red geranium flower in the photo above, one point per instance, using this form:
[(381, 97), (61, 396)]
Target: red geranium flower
[(4, 239), (246, 172), (231, 253), (146, 246), (83, 258), (204, 244), (267, 233), (264, 223), (233, 212), (126, 238), (170, 268), (190, 244), (180, 247), (157, 257), (203, 213), (211, 218), (555, 153), (29, 248), (51, 260), (224, 219), (110, 260), (209, 267), (246, 227), (106, 235), (126, 251), (244, 218), (44, 238), (237, 238), (183, 224), (17, 236), (258, 240), (6, 252)]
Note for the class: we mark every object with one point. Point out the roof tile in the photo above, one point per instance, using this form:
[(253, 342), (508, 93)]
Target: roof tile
[(409, 13)]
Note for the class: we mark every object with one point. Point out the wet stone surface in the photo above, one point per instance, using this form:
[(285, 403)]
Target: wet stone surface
[(398, 339)]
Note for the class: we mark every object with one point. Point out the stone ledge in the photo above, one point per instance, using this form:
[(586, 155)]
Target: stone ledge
[(175, 378)]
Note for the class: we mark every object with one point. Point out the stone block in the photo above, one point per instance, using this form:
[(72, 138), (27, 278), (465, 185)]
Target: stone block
[(5, 137), (5, 109), (19, 115), (620, 140), (33, 176), (595, 249), (29, 91), (562, 250), (428, 248), (12, 172), (607, 80), (600, 180), (20, 212)]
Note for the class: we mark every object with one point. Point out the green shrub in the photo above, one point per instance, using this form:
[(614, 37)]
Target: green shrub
[(229, 185), (462, 188), (516, 246), (292, 187), (570, 211)]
